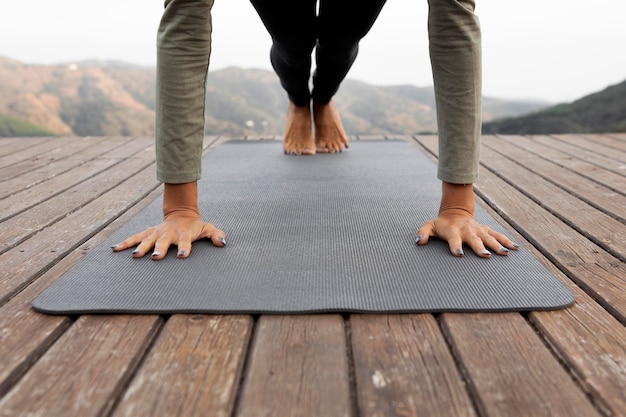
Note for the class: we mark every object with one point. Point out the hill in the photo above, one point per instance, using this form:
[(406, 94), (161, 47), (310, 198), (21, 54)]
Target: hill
[(14, 127), (604, 111), (95, 98)]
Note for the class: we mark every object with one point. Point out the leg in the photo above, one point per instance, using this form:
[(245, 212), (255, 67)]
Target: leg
[(455, 53), (183, 51), (291, 25), (342, 24)]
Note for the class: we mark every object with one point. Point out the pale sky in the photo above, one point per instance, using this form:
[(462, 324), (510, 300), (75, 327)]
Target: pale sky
[(555, 50)]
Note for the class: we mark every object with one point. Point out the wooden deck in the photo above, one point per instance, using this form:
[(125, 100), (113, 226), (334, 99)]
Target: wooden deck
[(563, 197)]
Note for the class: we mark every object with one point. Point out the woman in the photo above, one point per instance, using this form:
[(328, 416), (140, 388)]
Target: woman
[(184, 45)]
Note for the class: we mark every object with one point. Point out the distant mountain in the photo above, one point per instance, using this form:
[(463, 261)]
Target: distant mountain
[(94, 98), (604, 111), (71, 99)]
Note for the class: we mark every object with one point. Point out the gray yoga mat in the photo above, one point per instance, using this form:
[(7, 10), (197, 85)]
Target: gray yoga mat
[(308, 234)]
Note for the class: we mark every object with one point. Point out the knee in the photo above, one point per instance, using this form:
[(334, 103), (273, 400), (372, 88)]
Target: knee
[(293, 53), (337, 51)]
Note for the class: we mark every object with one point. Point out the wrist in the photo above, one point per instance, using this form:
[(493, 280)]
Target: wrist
[(181, 199), (457, 197)]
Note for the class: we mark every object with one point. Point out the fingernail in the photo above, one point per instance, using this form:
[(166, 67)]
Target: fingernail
[(181, 253), (221, 239), (504, 250), (418, 239), (516, 245), (460, 252), (136, 251), (485, 252), (156, 253)]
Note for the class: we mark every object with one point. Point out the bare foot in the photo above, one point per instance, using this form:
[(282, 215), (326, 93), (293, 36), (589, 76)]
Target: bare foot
[(298, 136), (329, 134)]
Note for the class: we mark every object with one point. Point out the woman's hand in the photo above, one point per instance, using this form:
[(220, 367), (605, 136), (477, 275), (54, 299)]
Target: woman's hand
[(456, 225), (181, 226)]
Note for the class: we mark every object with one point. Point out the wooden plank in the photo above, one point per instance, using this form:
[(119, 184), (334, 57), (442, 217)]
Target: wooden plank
[(82, 151), (81, 175), (25, 159), (592, 344), (610, 179), (84, 372), (598, 273), (25, 224), (26, 167), (7, 144), (604, 230), (192, 370), (298, 367), (510, 370), (12, 145), (611, 140), (597, 195), (24, 334), (369, 137), (403, 367), (601, 161), (587, 142)]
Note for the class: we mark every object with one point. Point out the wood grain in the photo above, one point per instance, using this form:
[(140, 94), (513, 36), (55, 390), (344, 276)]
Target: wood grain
[(601, 197), (510, 370), (83, 373), (298, 368), (403, 368), (192, 370)]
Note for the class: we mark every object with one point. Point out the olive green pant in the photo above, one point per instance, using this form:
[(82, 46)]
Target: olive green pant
[(184, 50)]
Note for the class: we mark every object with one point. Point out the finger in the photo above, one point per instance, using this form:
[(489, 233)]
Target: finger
[(218, 237), (504, 240), (184, 249), (161, 247), (145, 246), (455, 243), (490, 239), (478, 247), (425, 232), (142, 249), (132, 241)]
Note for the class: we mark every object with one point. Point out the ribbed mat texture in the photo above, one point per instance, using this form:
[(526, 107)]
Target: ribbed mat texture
[(308, 234)]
